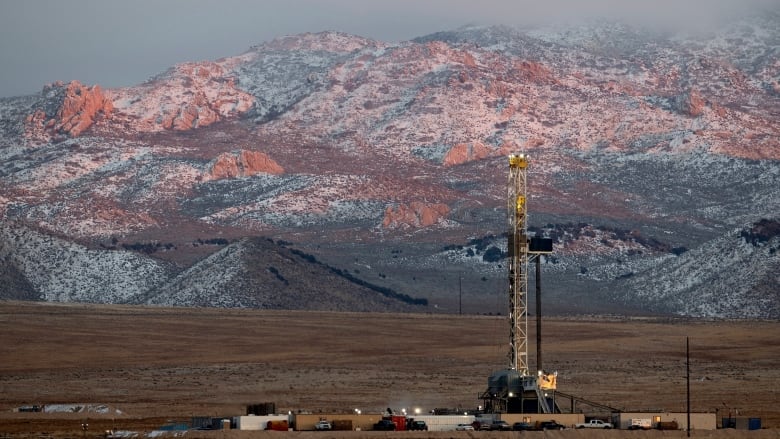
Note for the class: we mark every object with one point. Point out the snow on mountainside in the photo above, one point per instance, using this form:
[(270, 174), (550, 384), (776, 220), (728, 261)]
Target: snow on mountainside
[(731, 276), (66, 272), (353, 148), (251, 273), (241, 275)]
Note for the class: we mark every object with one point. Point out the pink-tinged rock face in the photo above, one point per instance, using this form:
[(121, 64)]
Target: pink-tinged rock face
[(415, 214), (256, 162), (79, 108), (243, 164), (466, 152), (693, 104), (530, 71), (189, 96)]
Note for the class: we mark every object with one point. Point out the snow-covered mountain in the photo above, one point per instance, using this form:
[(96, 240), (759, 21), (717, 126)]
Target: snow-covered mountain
[(387, 162), (249, 273), (735, 274), (61, 271)]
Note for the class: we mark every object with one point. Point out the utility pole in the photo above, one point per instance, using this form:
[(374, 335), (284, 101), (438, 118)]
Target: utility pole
[(538, 313), (460, 294), (688, 381)]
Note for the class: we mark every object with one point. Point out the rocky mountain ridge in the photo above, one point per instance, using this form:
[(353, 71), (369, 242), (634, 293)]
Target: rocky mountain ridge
[(376, 157)]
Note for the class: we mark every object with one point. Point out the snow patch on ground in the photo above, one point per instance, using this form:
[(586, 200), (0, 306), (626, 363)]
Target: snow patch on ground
[(102, 409)]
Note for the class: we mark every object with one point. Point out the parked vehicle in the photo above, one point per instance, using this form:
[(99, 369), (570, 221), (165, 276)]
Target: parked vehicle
[(522, 426), (500, 425), (594, 423), (464, 427), (551, 425), (417, 425), (385, 425), (323, 425)]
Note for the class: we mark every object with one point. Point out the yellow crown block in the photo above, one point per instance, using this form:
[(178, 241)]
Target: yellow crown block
[(518, 161)]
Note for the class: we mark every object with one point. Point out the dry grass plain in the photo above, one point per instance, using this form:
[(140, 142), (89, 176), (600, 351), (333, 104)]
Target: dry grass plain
[(156, 365)]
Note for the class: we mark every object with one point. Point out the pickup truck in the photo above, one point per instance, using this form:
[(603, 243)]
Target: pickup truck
[(500, 426), (551, 425), (385, 425), (323, 425), (594, 423), (417, 425)]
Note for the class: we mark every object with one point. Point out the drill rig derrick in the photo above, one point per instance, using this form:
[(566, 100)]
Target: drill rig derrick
[(517, 247), (514, 389)]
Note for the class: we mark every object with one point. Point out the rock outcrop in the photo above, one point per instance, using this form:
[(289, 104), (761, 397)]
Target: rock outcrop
[(414, 215), (466, 152), (242, 163), (188, 96), (69, 110), (529, 71), (691, 104)]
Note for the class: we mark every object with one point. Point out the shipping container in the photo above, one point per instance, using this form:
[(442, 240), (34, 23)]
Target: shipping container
[(667, 425), (278, 425)]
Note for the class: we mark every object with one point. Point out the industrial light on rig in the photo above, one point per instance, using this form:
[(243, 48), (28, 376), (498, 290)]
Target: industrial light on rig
[(518, 161)]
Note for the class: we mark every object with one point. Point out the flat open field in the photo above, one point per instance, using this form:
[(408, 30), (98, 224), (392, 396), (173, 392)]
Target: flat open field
[(153, 365)]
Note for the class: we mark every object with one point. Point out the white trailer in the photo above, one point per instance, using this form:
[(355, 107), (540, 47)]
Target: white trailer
[(444, 422), (640, 424), (253, 422)]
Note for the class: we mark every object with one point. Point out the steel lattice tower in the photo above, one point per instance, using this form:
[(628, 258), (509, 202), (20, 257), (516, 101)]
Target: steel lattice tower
[(517, 247)]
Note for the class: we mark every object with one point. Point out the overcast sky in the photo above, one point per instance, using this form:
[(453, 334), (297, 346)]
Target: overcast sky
[(118, 43)]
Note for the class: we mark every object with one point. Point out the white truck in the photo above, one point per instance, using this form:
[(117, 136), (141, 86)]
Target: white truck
[(594, 423)]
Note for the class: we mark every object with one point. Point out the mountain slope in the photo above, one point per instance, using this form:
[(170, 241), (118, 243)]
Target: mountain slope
[(243, 274), (61, 271), (257, 273), (730, 276), (375, 157)]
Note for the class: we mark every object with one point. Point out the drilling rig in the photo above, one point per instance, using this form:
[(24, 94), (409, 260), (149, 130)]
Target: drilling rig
[(514, 389)]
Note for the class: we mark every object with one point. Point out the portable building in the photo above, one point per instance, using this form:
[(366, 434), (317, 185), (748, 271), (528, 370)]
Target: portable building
[(256, 422), (699, 420), (443, 422)]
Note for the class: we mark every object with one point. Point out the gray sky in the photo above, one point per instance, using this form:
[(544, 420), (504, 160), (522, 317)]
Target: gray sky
[(124, 42)]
